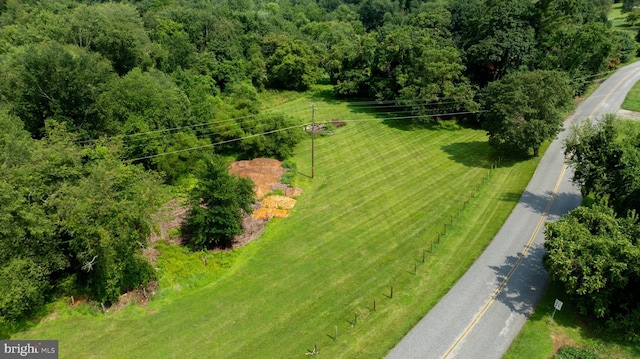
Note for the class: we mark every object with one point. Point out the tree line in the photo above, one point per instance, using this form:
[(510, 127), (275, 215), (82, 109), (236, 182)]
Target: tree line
[(102, 103), (594, 251)]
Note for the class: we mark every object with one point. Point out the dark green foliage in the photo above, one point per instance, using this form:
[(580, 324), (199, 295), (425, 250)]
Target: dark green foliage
[(281, 135), (569, 352), (628, 5), (596, 256), (54, 81), (114, 30), (595, 251), (500, 37), (606, 159), (104, 218), (290, 64), (497, 36), (217, 204), (67, 212), (23, 286), (524, 109), (373, 12), (625, 46), (151, 102)]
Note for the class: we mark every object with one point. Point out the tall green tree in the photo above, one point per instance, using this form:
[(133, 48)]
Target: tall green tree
[(104, 218), (579, 50), (524, 109), (112, 29), (595, 255), (155, 116), (606, 161), (415, 65), (50, 80), (217, 204), (290, 63), (496, 35), (68, 215)]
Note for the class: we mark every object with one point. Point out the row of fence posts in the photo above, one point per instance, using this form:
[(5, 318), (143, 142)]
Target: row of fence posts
[(440, 236)]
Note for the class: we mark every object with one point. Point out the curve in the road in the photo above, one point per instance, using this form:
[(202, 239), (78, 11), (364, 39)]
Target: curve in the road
[(485, 310)]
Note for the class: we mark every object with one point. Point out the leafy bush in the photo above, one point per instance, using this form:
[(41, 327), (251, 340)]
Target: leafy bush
[(290, 173), (569, 352), (23, 285)]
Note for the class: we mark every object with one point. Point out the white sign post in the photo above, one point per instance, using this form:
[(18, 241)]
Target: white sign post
[(556, 306)]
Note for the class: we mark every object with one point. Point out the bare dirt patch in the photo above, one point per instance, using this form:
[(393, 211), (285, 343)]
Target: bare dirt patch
[(560, 340), (264, 172), (140, 296)]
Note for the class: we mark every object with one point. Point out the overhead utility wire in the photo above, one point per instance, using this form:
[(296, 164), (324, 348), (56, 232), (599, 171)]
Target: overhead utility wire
[(374, 105), (289, 128), (215, 144)]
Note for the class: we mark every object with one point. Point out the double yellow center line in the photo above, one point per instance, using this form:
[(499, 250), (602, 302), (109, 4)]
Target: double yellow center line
[(504, 282)]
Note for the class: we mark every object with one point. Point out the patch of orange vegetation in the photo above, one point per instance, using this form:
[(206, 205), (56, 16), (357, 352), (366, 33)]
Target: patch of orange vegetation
[(264, 172), (278, 202), (270, 213)]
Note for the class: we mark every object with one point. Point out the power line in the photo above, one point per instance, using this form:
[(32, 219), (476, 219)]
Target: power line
[(215, 144), (298, 126), (371, 104)]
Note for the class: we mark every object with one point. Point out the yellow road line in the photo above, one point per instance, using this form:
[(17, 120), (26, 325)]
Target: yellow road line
[(504, 282)]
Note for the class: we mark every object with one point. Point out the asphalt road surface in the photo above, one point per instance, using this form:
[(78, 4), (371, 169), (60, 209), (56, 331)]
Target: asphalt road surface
[(485, 310)]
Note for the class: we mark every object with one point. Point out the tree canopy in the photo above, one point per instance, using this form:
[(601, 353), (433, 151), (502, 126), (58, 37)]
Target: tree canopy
[(524, 109), (217, 204), (69, 212), (594, 250)]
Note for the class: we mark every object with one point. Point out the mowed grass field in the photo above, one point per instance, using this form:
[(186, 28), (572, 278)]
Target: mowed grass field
[(382, 191)]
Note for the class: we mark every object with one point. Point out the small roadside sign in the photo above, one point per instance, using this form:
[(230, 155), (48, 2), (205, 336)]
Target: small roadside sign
[(557, 305)]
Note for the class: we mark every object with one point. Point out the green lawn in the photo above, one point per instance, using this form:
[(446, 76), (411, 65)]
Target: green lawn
[(541, 335), (619, 20), (382, 191), (632, 101)]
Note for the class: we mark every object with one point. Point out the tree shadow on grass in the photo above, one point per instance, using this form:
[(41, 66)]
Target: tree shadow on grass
[(326, 95), (399, 117), (469, 154)]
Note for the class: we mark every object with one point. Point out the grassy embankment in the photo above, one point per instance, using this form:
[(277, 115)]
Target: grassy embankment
[(381, 194), (632, 101)]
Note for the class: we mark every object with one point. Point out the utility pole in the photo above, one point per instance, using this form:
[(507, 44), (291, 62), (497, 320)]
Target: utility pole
[(313, 138)]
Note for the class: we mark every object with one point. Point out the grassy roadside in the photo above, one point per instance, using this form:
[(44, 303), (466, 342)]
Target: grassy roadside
[(381, 194), (632, 101), (541, 338)]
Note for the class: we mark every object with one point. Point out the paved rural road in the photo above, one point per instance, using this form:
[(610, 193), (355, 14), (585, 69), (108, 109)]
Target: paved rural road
[(486, 309)]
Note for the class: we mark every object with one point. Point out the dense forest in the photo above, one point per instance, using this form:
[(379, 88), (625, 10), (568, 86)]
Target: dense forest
[(102, 103)]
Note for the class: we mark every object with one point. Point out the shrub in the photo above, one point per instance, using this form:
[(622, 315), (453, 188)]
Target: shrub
[(569, 352)]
